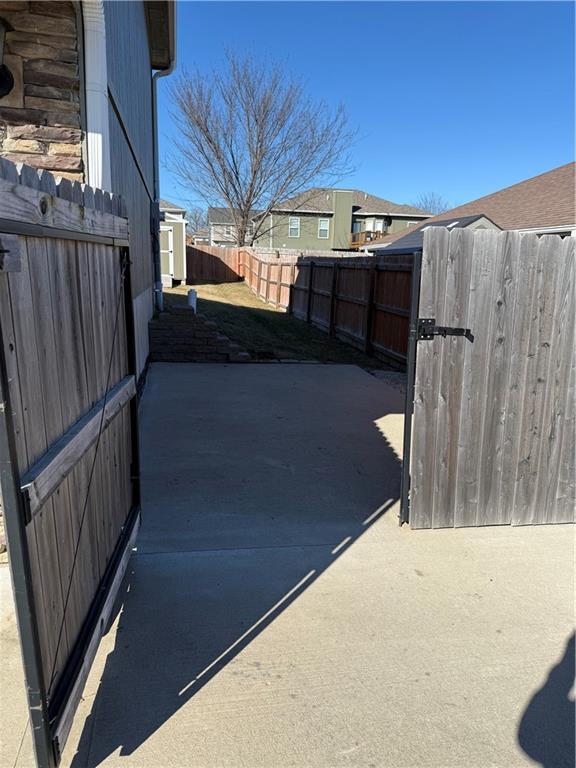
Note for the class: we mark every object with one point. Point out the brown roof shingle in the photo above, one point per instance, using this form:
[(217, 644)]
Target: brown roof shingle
[(547, 200)]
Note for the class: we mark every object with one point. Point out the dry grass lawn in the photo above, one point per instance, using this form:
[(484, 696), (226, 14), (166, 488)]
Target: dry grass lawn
[(265, 332)]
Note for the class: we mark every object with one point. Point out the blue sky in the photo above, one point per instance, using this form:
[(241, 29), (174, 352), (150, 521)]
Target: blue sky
[(459, 98)]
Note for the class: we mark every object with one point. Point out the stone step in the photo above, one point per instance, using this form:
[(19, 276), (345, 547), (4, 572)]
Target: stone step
[(180, 335)]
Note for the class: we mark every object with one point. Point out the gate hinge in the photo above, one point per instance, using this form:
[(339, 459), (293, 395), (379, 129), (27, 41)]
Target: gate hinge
[(427, 329)]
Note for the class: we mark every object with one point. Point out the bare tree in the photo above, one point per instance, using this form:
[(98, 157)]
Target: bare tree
[(431, 202), (250, 138), (197, 217)]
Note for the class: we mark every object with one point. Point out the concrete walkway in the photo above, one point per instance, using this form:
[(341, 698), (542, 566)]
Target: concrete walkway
[(276, 615)]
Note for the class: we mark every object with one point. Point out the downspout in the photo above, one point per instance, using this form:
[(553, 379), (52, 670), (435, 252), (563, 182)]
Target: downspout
[(158, 299)]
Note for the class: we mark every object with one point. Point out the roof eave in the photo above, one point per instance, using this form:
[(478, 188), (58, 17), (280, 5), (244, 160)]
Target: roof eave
[(395, 214), (161, 23)]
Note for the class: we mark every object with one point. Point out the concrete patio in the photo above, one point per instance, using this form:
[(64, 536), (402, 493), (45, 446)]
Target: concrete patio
[(275, 614)]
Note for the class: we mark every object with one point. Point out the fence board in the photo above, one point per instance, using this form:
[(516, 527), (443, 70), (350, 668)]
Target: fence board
[(426, 385), (560, 399)]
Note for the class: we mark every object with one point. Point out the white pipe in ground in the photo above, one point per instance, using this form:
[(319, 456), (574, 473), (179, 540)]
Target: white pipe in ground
[(192, 296)]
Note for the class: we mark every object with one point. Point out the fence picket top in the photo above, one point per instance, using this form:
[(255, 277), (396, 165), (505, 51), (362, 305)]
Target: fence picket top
[(77, 193), (8, 171), (116, 205), (88, 193), (99, 200), (64, 188), (28, 176), (47, 182)]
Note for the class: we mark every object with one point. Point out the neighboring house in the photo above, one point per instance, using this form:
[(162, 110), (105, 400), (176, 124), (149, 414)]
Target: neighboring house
[(334, 219), (172, 243), (201, 236), (221, 227), (83, 106), (544, 204)]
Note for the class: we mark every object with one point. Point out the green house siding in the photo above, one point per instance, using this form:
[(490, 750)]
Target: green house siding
[(308, 238), (343, 218), (399, 225)]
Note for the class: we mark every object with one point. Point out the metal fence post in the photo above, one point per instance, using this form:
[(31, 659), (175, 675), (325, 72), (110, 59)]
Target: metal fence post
[(410, 378)]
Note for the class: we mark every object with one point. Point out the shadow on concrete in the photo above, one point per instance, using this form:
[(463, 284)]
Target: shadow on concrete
[(546, 731), (213, 571)]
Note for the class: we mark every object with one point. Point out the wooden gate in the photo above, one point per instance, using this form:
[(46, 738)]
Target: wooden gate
[(492, 439), (68, 432)]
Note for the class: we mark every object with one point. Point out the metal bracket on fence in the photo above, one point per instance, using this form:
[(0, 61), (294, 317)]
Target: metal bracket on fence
[(427, 329)]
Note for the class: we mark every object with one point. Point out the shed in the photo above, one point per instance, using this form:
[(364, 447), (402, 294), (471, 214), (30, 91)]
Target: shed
[(172, 243)]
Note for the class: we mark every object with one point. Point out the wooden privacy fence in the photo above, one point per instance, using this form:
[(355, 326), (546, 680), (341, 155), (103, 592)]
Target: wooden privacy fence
[(493, 424), (211, 264), (363, 301), (68, 432), (269, 277)]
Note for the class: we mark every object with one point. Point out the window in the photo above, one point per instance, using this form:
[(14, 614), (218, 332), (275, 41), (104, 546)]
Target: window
[(323, 228), (294, 226), (227, 230)]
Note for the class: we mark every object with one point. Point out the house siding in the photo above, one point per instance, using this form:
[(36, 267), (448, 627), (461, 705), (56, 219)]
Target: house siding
[(308, 239), (131, 144), (218, 234), (342, 201)]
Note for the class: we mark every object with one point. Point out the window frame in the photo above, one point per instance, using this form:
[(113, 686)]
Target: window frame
[(291, 226), (327, 230)]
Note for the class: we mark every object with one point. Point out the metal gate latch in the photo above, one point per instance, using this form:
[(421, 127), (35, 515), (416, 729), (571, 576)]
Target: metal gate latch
[(427, 329)]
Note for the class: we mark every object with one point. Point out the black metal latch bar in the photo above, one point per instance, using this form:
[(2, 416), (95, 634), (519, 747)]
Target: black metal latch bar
[(427, 329)]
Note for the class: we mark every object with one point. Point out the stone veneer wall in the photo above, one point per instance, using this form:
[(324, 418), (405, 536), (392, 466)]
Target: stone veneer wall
[(40, 119)]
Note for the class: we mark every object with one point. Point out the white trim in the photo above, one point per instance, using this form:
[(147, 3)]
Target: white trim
[(394, 215), (327, 229), (98, 171), (548, 230)]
